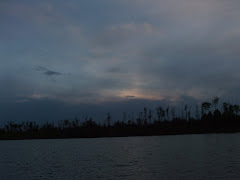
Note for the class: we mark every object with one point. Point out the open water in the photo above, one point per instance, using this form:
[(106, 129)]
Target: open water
[(208, 156)]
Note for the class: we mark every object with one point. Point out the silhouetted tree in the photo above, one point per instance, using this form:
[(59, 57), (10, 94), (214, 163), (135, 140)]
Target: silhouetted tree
[(186, 111), (215, 102), (124, 117), (150, 116), (197, 115), (205, 107), (189, 113), (108, 119), (167, 112), (173, 113), (145, 115), (139, 120), (158, 113), (225, 107), (66, 123), (236, 109)]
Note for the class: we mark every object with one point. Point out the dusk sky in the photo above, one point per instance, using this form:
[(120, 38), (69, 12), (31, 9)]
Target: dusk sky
[(60, 59)]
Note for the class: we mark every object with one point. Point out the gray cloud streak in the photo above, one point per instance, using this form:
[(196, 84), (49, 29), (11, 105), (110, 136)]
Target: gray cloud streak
[(48, 72)]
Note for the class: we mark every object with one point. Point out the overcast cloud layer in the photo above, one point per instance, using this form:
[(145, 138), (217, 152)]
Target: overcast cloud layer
[(92, 56)]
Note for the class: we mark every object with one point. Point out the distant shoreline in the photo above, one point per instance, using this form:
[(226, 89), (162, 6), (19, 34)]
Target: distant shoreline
[(161, 121), (139, 134)]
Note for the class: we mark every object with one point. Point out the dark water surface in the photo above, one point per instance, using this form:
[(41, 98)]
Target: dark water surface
[(210, 156)]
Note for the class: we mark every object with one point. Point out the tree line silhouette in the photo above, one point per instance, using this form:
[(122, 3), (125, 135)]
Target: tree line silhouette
[(160, 121)]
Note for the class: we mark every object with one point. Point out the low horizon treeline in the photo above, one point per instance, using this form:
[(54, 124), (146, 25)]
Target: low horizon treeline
[(162, 120)]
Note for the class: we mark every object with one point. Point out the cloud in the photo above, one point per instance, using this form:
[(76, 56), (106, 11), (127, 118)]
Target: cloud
[(51, 73), (48, 72), (117, 51), (114, 70), (130, 96), (124, 33), (40, 12)]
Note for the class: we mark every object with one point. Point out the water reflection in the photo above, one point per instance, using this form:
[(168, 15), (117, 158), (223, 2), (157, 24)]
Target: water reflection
[(213, 156)]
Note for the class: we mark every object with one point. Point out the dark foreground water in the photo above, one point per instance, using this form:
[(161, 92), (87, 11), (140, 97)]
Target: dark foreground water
[(211, 156)]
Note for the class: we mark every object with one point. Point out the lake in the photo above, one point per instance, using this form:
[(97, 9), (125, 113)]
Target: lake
[(206, 156)]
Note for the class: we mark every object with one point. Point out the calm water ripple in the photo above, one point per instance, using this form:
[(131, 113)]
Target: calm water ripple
[(212, 156)]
